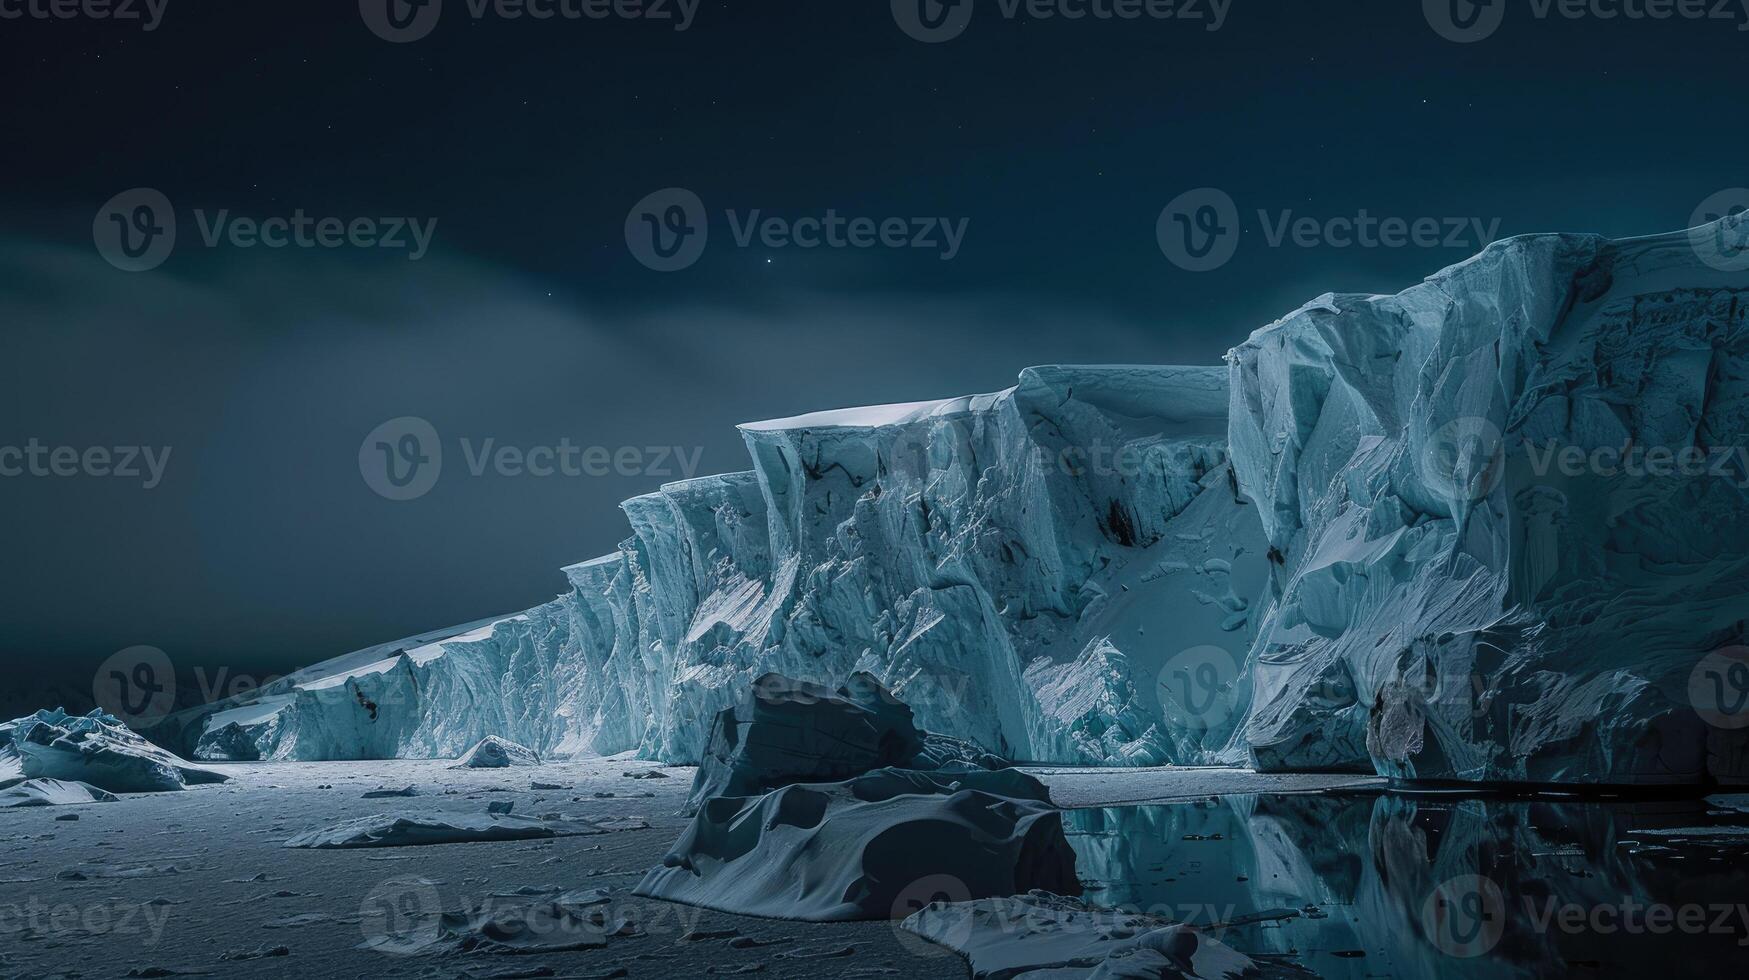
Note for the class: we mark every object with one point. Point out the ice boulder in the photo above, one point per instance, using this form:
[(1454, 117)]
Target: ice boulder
[(51, 792), (493, 752), (1508, 517), (866, 848), (99, 750), (789, 731)]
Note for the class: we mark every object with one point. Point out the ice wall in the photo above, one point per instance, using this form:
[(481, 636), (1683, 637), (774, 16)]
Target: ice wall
[(1020, 568), (1472, 580)]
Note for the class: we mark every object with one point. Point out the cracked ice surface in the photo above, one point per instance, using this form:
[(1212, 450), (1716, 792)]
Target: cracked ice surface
[(1017, 567), (1453, 602)]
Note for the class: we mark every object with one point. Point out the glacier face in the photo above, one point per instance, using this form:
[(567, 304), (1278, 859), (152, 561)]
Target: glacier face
[(1456, 533), (1020, 568), (1508, 511)]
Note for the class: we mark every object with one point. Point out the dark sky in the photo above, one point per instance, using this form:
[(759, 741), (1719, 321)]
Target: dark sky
[(529, 321)]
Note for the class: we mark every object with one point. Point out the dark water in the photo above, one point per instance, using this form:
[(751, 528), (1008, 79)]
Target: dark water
[(1439, 886)]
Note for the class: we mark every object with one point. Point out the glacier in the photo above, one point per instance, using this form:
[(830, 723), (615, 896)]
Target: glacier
[(1494, 564), (1017, 567), (1360, 545)]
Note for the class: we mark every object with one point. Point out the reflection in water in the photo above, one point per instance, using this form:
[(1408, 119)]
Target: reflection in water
[(1439, 886)]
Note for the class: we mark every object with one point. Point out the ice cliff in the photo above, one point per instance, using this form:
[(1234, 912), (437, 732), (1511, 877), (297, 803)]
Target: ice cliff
[(1506, 512), (1018, 567), (1457, 533)]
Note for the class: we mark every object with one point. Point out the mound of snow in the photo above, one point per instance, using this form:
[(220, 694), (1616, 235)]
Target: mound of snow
[(789, 731), (413, 830), (1012, 937), (493, 752), (51, 792), (99, 750), (864, 848)]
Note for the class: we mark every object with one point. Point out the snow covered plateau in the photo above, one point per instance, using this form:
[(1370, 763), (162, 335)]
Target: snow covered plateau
[(1492, 528)]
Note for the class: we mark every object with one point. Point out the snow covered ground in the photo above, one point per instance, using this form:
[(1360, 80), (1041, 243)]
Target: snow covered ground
[(1306, 875), (188, 882)]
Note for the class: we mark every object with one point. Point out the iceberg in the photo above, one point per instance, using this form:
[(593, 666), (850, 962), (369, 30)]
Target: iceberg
[(493, 752), (1506, 515), (96, 750), (1489, 529), (1010, 565)]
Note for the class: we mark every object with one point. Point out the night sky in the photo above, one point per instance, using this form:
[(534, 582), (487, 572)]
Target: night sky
[(528, 321)]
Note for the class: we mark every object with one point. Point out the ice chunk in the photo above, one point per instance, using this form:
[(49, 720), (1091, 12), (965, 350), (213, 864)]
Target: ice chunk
[(411, 830), (790, 731), (1007, 937), (99, 750), (864, 848), (51, 792), (493, 752)]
